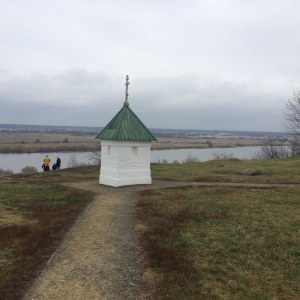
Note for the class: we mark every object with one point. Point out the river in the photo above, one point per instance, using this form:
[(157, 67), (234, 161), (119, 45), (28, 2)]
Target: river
[(16, 162)]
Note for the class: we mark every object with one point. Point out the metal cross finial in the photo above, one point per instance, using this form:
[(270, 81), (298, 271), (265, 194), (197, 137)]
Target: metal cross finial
[(126, 92)]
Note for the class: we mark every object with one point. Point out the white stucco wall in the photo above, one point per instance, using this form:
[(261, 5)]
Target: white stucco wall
[(125, 163)]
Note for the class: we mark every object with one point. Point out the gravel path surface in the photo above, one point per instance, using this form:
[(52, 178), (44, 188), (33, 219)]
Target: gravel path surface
[(99, 257)]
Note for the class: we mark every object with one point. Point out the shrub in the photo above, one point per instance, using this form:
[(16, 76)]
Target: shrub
[(29, 170), (6, 172), (73, 161), (83, 164), (190, 160), (95, 157), (273, 152), (221, 155), (295, 147)]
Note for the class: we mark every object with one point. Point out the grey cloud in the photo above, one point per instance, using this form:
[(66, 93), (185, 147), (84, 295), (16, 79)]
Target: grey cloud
[(92, 99), (192, 64)]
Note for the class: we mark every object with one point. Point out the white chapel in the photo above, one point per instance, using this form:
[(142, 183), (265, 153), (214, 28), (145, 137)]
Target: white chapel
[(125, 149)]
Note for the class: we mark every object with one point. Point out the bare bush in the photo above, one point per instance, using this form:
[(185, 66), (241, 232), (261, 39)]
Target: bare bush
[(273, 152), (6, 172), (95, 157), (73, 161), (29, 170), (164, 161), (222, 155), (295, 147), (83, 164), (190, 160)]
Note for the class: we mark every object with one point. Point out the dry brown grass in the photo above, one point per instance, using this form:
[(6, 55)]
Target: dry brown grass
[(46, 141), (10, 217), (51, 142), (34, 217), (207, 142)]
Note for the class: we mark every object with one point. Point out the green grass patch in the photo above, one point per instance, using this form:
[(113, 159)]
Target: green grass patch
[(221, 242), (228, 170)]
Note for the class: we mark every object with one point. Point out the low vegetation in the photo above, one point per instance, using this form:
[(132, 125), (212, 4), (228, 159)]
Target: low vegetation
[(29, 170), (198, 242), (35, 213), (220, 242), (278, 151), (190, 159), (6, 172), (271, 171)]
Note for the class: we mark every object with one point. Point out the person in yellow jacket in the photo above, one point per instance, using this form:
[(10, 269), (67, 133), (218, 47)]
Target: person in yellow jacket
[(46, 164)]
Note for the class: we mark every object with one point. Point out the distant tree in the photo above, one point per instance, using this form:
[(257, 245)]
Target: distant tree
[(6, 172), (209, 143), (291, 115)]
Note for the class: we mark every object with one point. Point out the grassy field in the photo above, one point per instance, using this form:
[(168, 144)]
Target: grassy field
[(270, 171), (222, 242), (199, 242)]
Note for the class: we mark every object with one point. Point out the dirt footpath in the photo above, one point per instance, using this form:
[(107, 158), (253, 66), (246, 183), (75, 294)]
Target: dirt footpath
[(99, 257)]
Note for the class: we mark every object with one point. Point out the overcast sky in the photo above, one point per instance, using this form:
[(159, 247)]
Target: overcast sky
[(193, 64)]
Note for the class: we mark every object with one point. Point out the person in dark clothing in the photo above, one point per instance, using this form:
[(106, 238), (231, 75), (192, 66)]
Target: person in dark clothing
[(54, 167), (58, 162)]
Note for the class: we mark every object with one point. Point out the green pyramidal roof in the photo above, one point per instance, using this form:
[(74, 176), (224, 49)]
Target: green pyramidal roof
[(126, 126)]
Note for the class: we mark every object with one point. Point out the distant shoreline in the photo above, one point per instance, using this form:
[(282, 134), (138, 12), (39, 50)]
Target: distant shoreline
[(154, 130), (49, 140)]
